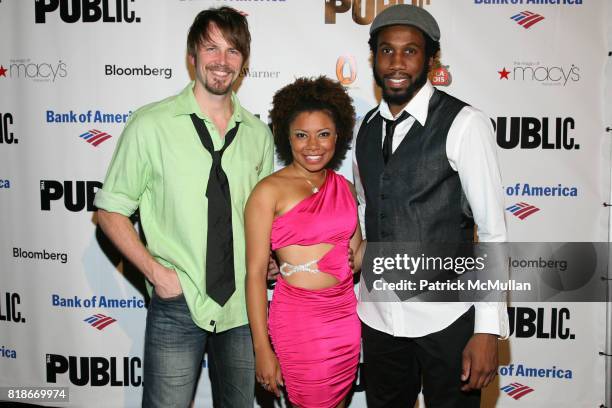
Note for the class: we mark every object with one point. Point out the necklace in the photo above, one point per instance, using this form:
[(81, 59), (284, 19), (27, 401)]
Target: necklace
[(314, 188)]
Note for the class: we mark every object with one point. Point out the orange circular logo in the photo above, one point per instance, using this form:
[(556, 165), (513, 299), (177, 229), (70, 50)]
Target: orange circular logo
[(346, 69)]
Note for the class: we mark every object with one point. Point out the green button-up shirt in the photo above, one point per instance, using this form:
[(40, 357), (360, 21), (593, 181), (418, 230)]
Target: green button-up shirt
[(161, 167)]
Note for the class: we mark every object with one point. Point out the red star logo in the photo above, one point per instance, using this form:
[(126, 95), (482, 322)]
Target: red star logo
[(2, 71), (503, 74)]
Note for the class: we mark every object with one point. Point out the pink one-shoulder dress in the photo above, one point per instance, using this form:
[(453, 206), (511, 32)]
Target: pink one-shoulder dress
[(316, 333)]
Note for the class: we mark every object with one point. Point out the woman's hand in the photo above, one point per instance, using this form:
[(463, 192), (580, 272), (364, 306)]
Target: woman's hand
[(267, 371), (258, 218)]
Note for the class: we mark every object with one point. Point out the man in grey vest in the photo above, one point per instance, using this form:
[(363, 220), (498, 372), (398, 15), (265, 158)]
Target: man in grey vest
[(425, 170)]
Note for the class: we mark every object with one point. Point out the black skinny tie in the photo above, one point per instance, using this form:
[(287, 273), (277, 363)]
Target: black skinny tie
[(220, 281), (389, 130)]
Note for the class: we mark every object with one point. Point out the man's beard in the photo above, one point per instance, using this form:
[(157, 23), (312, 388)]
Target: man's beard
[(218, 87), (402, 97)]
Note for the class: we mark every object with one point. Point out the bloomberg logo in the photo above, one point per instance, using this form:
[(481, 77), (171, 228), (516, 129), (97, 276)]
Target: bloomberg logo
[(86, 11), (20, 253), (114, 70), (95, 371), (533, 133), (363, 12), (77, 195)]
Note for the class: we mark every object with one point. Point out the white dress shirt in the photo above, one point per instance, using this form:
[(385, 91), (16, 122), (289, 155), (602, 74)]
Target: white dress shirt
[(470, 148)]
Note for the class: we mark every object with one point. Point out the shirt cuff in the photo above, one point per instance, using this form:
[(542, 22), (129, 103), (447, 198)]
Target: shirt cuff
[(491, 318), (115, 202)]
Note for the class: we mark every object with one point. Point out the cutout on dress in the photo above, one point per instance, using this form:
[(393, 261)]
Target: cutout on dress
[(300, 266)]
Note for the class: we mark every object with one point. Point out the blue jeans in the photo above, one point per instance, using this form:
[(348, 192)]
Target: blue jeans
[(174, 348)]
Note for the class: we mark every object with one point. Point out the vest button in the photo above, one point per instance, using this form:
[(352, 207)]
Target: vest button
[(383, 216), (384, 196), (386, 177)]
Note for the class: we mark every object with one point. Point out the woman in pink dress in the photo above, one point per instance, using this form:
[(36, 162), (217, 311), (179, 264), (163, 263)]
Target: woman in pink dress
[(307, 214)]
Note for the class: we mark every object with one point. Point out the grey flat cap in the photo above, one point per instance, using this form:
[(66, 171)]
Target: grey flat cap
[(406, 14)]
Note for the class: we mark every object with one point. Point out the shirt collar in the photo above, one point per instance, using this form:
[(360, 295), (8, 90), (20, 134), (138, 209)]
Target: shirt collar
[(186, 104), (417, 107)]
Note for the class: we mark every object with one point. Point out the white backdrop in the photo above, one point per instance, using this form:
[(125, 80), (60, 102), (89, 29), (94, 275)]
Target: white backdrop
[(68, 72)]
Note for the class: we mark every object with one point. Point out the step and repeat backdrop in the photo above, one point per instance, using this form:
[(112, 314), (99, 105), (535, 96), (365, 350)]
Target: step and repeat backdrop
[(72, 313)]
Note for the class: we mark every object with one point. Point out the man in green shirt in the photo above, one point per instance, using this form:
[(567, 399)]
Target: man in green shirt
[(188, 163)]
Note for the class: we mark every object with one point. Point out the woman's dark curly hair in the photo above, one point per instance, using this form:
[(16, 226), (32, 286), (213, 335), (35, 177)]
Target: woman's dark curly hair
[(311, 95)]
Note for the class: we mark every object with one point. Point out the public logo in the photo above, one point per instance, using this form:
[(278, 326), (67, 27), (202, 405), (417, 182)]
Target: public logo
[(536, 72), (346, 69), (532, 190), (517, 390), (89, 116), (10, 305), (99, 321), (258, 73), (77, 195), (522, 210), (7, 136), (440, 76), (26, 68), (86, 11), (527, 18), (5, 184), (145, 71), (45, 255), (7, 352), (540, 323), (363, 12), (533, 133), (94, 371), (95, 137)]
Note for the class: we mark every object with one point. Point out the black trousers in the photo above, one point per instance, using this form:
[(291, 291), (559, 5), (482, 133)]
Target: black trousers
[(396, 368)]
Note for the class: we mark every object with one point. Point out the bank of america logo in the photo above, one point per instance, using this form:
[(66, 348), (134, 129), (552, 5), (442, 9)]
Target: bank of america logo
[(516, 390), (527, 18), (95, 137), (522, 210), (99, 321)]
